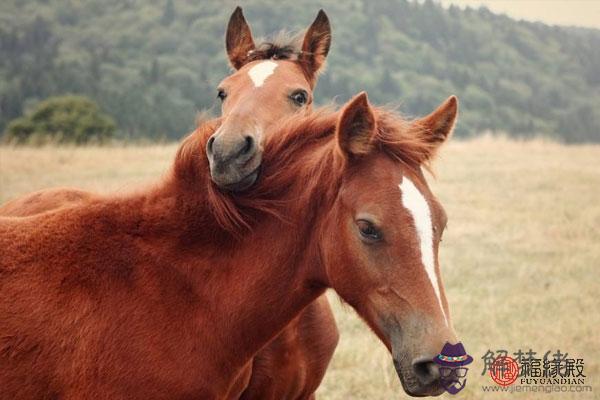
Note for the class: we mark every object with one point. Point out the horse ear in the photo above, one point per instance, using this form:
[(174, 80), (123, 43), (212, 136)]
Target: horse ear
[(315, 47), (238, 39), (356, 127), (438, 125)]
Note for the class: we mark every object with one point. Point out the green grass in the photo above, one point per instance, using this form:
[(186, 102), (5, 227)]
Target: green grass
[(520, 258)]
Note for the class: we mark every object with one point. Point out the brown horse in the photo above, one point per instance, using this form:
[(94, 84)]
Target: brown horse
[(310, 339), (150, 295), (273, 80)]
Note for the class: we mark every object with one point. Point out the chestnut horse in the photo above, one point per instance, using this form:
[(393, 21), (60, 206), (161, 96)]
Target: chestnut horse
[(150, 295), (294, 363)]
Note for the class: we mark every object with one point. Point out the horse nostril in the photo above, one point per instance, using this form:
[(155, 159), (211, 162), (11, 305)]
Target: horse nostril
[(426, 371), (248, 145), (223, 151), (209, 145)]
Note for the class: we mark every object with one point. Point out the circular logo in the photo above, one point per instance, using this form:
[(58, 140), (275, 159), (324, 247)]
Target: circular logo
[(504, 371)]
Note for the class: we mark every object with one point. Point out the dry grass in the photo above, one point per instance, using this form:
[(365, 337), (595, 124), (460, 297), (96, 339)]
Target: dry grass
[(520, 258)]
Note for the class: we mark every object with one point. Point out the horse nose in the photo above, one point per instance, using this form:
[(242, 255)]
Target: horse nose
[(226, 150), (209, 145), (248, 146), (426, 371)]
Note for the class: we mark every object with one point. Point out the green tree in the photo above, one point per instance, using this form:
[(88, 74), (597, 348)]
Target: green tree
[(152, 64), (72, 119), (168, 13)]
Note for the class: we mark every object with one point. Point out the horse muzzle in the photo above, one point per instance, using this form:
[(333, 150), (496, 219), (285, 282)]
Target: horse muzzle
[(418, 373), (420, 377), (234, 162)]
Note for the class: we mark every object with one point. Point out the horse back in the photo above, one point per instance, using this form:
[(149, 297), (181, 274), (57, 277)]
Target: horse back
[(44, 200)]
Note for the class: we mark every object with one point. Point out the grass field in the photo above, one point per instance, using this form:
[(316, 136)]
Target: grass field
[(520, 258)]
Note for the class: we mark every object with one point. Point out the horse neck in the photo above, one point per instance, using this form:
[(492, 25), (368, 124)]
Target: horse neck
[(254, 285), (276, 271)]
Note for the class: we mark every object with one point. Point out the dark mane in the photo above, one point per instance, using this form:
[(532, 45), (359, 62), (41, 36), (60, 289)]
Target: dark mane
[(282, 46), (301, 149)]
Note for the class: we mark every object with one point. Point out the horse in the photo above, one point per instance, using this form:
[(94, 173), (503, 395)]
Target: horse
[(311, 338), (168, 292), (273, 80)]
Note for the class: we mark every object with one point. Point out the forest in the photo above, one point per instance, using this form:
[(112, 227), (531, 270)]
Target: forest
[(152, 65)]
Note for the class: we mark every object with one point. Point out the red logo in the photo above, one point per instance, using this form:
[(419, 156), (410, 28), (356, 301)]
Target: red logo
[(504, 371)]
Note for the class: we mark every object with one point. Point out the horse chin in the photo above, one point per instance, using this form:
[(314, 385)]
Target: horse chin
[(415, 389), (242, 184)]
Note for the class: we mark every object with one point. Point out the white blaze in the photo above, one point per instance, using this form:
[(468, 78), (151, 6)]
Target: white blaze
[(261, 71), (415, 203)]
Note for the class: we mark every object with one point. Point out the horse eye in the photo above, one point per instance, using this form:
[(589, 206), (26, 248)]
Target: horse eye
[(299, 97), (221, 94), (368, 231)]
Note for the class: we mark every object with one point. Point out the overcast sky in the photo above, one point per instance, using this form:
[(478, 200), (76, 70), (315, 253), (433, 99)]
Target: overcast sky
[(554, 12)]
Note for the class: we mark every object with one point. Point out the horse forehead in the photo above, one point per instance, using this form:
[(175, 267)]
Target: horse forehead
[(414, 200), (418, 207), (261, 71)]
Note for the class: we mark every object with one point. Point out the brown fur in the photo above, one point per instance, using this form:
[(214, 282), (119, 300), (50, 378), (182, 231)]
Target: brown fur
[(43, 200), (311, 337), (293, 364), (147, 295), (409, 142), (293, 367)]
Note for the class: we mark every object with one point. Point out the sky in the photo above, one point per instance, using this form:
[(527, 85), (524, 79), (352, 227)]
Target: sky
[(584, 13)]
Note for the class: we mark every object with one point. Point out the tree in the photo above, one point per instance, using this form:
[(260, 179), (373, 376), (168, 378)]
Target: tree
[(168, 13), (72, 119), (152, 64)]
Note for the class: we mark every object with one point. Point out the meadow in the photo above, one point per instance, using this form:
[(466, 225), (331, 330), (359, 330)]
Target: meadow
[(519, 259)]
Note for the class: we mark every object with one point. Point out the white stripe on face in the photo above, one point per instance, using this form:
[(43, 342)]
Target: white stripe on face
[(261, 71), (415, 203)]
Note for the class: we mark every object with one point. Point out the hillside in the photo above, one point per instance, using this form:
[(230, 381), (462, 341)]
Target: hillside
[(153, 64)]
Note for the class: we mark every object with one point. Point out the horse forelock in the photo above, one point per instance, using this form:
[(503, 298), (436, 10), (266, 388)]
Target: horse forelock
[(281, 46)]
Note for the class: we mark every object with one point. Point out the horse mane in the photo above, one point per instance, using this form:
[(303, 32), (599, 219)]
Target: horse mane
[(407, 141), (191, 171), (303, 149), (300, 149), (281, 46)]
